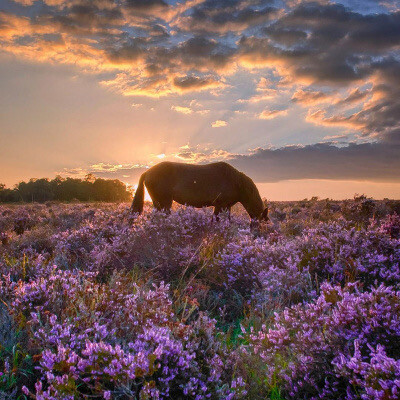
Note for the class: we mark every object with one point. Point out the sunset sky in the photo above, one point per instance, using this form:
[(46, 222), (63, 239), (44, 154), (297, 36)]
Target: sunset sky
[(302, 96)]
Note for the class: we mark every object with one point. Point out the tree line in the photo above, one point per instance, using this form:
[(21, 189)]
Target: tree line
[(66, 189)]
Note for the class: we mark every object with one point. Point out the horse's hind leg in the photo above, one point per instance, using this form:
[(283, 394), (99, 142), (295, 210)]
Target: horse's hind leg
[(161, 194), (161, 203)]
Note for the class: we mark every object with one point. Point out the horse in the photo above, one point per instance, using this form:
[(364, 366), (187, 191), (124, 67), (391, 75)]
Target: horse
[(216, 184)]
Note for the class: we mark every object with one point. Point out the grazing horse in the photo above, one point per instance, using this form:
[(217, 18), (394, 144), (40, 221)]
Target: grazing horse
[(217, 184)]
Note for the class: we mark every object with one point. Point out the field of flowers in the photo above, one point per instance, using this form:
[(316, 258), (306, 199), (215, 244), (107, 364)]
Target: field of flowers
[(96, 304)]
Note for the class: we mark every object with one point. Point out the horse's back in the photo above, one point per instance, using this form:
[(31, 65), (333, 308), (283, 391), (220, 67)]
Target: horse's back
[(169, 170)]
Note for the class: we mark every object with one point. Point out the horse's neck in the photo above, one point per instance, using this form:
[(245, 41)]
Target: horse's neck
[(253, 209), (251, 200)]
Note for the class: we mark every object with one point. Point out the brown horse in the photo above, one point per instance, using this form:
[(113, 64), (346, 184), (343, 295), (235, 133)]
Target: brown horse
[(216, 184)]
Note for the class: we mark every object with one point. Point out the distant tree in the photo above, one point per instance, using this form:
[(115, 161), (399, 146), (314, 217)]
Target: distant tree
[(36, 190), (5, 194), (90, 178), (66, 189), (110, 190)]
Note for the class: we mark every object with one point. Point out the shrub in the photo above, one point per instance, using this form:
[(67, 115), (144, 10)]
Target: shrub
[(312, 350)]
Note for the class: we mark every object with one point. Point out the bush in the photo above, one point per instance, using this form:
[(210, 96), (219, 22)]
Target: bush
[(98, 303), (329, 348)]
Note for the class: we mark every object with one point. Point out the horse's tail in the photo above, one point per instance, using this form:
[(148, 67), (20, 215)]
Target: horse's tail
[(138, 200)]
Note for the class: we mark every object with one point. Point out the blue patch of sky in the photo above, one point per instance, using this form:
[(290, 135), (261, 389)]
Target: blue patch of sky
[(31, 10), (368, 6)]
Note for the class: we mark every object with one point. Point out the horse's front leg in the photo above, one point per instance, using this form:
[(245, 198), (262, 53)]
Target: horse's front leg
[(217, 210)]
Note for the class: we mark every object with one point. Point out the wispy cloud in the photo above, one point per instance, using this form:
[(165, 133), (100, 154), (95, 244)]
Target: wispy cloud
[(190, 110), (182, 110), (219, 124), (309, 97), (201, 154), (271, 114)]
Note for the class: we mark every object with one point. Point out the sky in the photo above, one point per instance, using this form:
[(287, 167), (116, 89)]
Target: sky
[(303, 96)]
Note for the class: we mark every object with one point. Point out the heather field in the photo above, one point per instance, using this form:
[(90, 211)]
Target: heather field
[(96, 304)]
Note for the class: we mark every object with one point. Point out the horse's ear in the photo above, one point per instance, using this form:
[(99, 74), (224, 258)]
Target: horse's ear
[(264, 215)]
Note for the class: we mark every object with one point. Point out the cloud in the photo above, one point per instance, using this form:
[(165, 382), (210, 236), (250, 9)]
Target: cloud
[(182, 110), (107, 167), (188, 154), (108, 170), (337, 50), (319, 118), (309, 97), (190, 110), (222, 16), (271, 114), (341, 64), (203, 53), (219, 124), (146, 5), (377, 162), (330, 138), (323, 43), (370, 161), (190, 83), (201, 154)]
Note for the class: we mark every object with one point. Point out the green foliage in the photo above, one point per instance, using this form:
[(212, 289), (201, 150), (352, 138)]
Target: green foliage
[(17, 368), (16, 365)]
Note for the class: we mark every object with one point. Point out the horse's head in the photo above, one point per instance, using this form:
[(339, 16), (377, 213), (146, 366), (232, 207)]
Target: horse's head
[(255, 223)]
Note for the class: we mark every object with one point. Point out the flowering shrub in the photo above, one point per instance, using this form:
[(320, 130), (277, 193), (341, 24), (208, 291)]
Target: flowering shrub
[(391, 226), (342, 253), (378, 377), (116, 339), (165, 243), (329, 348), (97, 303)]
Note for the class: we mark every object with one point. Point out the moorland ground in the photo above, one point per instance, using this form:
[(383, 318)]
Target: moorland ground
[(98, 304)]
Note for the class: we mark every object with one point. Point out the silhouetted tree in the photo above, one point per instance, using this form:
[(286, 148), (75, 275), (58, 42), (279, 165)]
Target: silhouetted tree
[(66, 189), (7, 195)]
